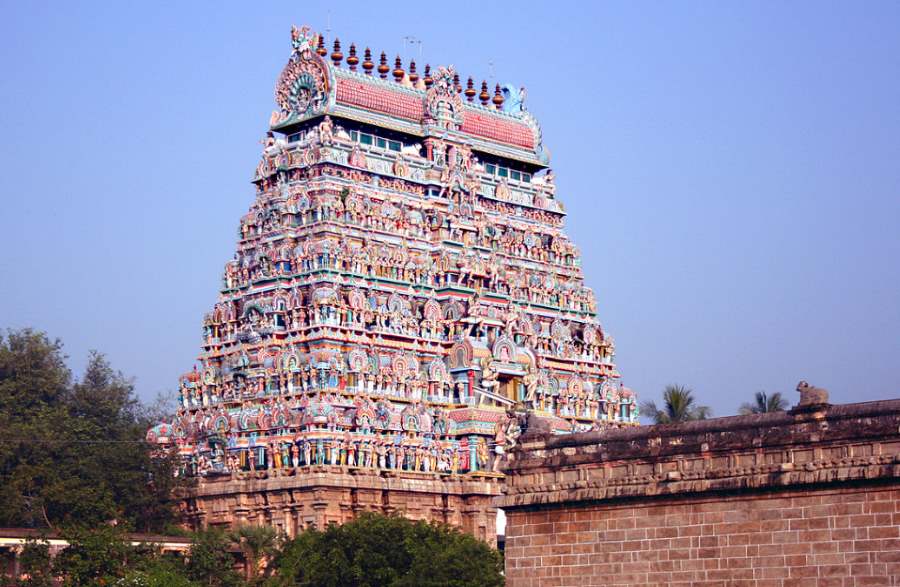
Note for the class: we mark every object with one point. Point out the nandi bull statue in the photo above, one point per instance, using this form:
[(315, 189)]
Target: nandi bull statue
[(810, 395)]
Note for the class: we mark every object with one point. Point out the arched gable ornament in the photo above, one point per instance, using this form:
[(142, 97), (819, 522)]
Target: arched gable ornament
[(461, 355), (409, 419), (403, 366), (356, 299), (453, 311), (432, 310), (291, 361), (303, 89), (443, 106), (399, 304), (559, 331), (268, 356), (575, 386), (365, 413), (437, 371), (221, 424), (504, 350), (357, 360), (353, 203)]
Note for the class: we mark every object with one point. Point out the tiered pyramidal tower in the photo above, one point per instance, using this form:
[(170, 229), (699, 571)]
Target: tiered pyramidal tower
[(402, 293)]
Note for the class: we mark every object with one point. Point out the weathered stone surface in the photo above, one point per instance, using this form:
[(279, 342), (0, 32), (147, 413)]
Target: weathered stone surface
[(811, 496), (319, 496)]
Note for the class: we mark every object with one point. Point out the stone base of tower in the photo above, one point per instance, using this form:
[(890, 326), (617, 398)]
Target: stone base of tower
[(300, 499)]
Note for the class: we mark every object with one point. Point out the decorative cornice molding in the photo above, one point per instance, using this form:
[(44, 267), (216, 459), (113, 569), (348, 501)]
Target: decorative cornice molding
[(812, 444)]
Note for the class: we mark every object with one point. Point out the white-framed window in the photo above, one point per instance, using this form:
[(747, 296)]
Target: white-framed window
[(370, 140), (506, 173)]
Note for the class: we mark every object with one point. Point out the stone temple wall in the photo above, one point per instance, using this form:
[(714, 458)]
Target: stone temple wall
[(808, 497), (316, 498)]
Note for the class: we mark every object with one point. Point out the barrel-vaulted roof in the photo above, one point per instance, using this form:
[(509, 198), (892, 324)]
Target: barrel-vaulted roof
[(310, 86)]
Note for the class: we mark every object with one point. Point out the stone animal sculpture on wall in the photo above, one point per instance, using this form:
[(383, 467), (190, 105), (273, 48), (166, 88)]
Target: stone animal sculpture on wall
[(810, 395)]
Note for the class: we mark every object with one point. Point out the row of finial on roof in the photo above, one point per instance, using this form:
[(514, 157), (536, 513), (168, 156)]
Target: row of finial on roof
[(399, 73)]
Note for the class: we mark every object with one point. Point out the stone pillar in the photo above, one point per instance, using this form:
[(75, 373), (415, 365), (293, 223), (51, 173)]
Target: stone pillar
[(288, 518)]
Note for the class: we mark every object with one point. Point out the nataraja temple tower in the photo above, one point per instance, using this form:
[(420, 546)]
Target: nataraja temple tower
[(402, 293)]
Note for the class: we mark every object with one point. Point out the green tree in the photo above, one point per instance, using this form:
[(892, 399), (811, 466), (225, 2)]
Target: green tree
[(73, 453), (210, 562), (98, 556), (679, 405), (34, 381), (764, 403), (374, 551), (132, 478), (258, 544), (157, 571)]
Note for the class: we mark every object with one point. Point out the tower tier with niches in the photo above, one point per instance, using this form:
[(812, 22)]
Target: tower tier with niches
[(402, 293)]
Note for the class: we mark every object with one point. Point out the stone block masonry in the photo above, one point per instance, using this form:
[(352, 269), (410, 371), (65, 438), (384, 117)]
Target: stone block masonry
[(324, 495), (808, 497)]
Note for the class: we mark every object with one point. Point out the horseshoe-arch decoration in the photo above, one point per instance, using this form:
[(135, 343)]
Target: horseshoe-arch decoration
[(306, 85)]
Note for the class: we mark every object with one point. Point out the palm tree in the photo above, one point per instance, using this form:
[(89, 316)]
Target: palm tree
[(258, 544), (678, 406), (764, 404)]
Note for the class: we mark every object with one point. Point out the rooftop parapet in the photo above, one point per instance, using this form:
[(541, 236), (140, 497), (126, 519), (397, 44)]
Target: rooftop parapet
[(813, 443)]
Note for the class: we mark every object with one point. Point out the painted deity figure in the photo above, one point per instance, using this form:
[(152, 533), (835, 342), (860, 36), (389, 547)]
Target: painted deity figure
[(481, 453), (326, 131), (490, 379), (400, 166), (530, 380), (357, 158), (499, 444)]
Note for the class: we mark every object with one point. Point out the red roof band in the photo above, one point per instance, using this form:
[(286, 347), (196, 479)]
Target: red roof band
[(495, 129), (410, 107), (380, 100)]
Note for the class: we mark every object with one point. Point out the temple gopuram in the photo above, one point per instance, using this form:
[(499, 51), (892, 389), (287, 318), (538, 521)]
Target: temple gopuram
[(401, 295)]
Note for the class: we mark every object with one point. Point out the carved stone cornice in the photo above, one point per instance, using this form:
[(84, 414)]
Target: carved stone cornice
[(816, 444)]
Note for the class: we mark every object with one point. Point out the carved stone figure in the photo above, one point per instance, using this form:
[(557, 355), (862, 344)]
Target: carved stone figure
[(810, 395)]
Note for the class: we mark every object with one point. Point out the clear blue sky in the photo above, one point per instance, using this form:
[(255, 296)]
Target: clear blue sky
[(731, 170)]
